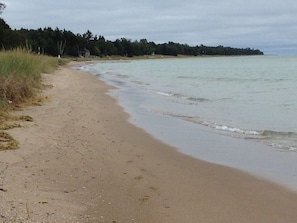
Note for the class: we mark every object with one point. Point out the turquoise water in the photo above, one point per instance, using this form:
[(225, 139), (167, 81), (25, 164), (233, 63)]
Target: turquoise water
[(234, 111), (247, 97)]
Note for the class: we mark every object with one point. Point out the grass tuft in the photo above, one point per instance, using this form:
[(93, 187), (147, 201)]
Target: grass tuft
[(7, 142), (10, 126)]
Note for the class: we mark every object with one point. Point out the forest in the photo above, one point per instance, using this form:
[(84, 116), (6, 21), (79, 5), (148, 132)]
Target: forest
[(65, 43)]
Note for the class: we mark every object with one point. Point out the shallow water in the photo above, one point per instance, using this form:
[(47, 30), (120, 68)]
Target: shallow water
[(223, 110), (254, 97)]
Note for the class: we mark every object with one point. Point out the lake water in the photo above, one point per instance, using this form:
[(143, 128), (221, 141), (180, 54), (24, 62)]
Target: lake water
[(235, 111)]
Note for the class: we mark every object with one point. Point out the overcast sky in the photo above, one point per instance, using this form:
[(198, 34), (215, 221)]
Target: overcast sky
[(268, 25)]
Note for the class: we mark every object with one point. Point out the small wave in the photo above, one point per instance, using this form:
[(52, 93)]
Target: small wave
[(176, 95), (164, 93), (139, 82), (179, 95), (198, 99), (271, 133), (187, 77), (236, 130), (293, 149), (122, 75), (168, 94), (200, 121), (284, 141)]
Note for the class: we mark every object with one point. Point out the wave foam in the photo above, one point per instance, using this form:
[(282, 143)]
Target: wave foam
[(236, 130), (164, 93)]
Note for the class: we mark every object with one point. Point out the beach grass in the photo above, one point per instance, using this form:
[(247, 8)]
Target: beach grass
[(20, 82), (20, 75)]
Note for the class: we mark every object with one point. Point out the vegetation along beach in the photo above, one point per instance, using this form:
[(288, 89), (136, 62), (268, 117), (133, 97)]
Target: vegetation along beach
[(93, 130)]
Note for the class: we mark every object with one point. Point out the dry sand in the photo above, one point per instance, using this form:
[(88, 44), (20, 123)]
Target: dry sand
[(81, 161)]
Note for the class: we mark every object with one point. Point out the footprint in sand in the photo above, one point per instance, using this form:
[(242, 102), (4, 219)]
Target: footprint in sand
[(144, 198), (138, 178)]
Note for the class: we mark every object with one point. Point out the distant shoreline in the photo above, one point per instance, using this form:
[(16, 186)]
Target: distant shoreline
[(148, 57)]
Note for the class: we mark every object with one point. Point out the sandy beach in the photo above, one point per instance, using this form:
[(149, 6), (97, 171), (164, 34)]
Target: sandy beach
[(80, 160)]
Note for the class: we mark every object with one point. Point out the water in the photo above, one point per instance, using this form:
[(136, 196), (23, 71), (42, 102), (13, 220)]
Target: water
[(243, 102), (254, 97)]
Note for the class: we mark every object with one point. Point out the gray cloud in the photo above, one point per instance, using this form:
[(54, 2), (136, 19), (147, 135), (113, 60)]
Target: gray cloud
[(267, 25)]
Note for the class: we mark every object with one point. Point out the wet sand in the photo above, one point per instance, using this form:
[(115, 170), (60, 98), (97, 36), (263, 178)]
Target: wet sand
[(82, 161)]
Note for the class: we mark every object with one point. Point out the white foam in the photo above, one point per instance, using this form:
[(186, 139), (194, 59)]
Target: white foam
[(164, 93), (236, 130)]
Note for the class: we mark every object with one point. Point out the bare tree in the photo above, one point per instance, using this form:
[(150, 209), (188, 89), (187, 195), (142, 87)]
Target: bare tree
[(61, 46)]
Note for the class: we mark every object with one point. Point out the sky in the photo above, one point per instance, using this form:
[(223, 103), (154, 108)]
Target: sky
[(268, 25)]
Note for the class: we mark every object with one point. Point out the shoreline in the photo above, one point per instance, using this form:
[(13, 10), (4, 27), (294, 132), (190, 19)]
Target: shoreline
[(82, 161), (240, 151)]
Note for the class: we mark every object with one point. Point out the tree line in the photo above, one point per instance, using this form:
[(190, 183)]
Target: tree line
[(56, 42)]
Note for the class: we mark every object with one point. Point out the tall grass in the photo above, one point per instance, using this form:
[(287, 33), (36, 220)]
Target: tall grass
[(20, 81), (20, 75)]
